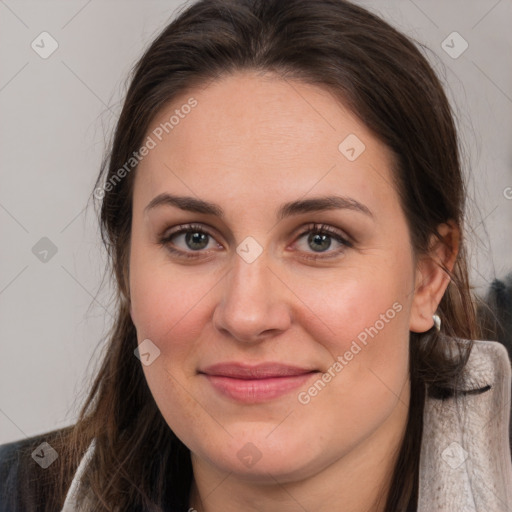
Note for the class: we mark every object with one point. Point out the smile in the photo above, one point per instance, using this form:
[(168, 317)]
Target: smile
[(256, 384)]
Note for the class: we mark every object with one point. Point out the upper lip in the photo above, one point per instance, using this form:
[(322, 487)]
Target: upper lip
[(260, 371)]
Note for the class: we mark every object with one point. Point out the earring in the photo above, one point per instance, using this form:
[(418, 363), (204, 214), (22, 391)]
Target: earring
[(437, 321)]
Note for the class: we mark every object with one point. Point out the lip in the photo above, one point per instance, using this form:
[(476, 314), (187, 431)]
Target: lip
[(256, 384)]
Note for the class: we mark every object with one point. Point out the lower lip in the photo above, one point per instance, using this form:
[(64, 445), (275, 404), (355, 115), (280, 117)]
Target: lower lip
[(257, 390)]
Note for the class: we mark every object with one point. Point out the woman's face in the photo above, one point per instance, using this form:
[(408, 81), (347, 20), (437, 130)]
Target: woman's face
[(328, 312)]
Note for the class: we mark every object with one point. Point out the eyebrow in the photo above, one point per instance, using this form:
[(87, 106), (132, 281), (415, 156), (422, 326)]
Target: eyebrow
[(289, 209)]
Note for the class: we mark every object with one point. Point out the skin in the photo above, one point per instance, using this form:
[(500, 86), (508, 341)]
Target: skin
[(252, 143)]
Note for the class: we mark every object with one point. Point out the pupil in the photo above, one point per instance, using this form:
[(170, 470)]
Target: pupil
[(319, 239), (196, 238)]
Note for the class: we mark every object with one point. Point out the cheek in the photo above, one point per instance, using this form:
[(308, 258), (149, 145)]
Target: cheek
[(362, 320), (368, 377), (169, 305), (169, 308), (358, 303)]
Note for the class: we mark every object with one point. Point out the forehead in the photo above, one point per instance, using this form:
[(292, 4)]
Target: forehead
[(249, 132)]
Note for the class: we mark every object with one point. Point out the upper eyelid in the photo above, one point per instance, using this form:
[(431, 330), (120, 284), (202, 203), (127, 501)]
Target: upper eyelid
[(184, 228)]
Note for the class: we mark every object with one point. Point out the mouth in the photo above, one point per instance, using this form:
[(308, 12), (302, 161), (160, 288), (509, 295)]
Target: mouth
[(256, 384)]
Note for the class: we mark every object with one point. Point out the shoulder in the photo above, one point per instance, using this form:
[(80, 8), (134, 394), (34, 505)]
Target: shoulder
[(487, 391), (465, 452), (9, 464), (490, 365), (26, 466)]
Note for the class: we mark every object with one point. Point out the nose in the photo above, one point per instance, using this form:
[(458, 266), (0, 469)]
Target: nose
[(253, 305)]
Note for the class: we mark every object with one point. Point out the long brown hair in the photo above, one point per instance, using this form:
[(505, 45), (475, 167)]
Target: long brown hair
[(383, 78)]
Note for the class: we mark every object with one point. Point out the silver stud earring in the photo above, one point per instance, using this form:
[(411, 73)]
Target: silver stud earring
[(437, 321)]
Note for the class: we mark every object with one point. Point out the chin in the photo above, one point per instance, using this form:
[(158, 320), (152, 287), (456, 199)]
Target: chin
[(263, 461)]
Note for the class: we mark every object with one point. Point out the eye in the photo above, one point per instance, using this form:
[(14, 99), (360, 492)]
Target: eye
[(198, 242), (320, 238), (195, 238)]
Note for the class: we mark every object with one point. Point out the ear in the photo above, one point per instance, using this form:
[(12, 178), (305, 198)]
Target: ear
[(431, 280)]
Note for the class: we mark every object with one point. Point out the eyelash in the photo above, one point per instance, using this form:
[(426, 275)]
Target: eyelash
[(322, 229)]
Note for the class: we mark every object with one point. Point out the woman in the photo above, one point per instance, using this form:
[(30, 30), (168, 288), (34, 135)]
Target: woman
[(283, 206)]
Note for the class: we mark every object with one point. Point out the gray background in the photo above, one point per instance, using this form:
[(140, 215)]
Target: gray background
[(55, 118)]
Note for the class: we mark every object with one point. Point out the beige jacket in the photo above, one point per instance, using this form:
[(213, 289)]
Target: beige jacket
[(465, 460)]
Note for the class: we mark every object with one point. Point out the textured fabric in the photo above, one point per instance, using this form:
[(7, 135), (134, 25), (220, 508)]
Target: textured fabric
[(70, 503), (8, 483), (465, 463), (24, 484)]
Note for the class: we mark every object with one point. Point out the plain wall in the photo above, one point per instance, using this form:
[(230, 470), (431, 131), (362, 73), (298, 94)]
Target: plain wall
[(55, 117)]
